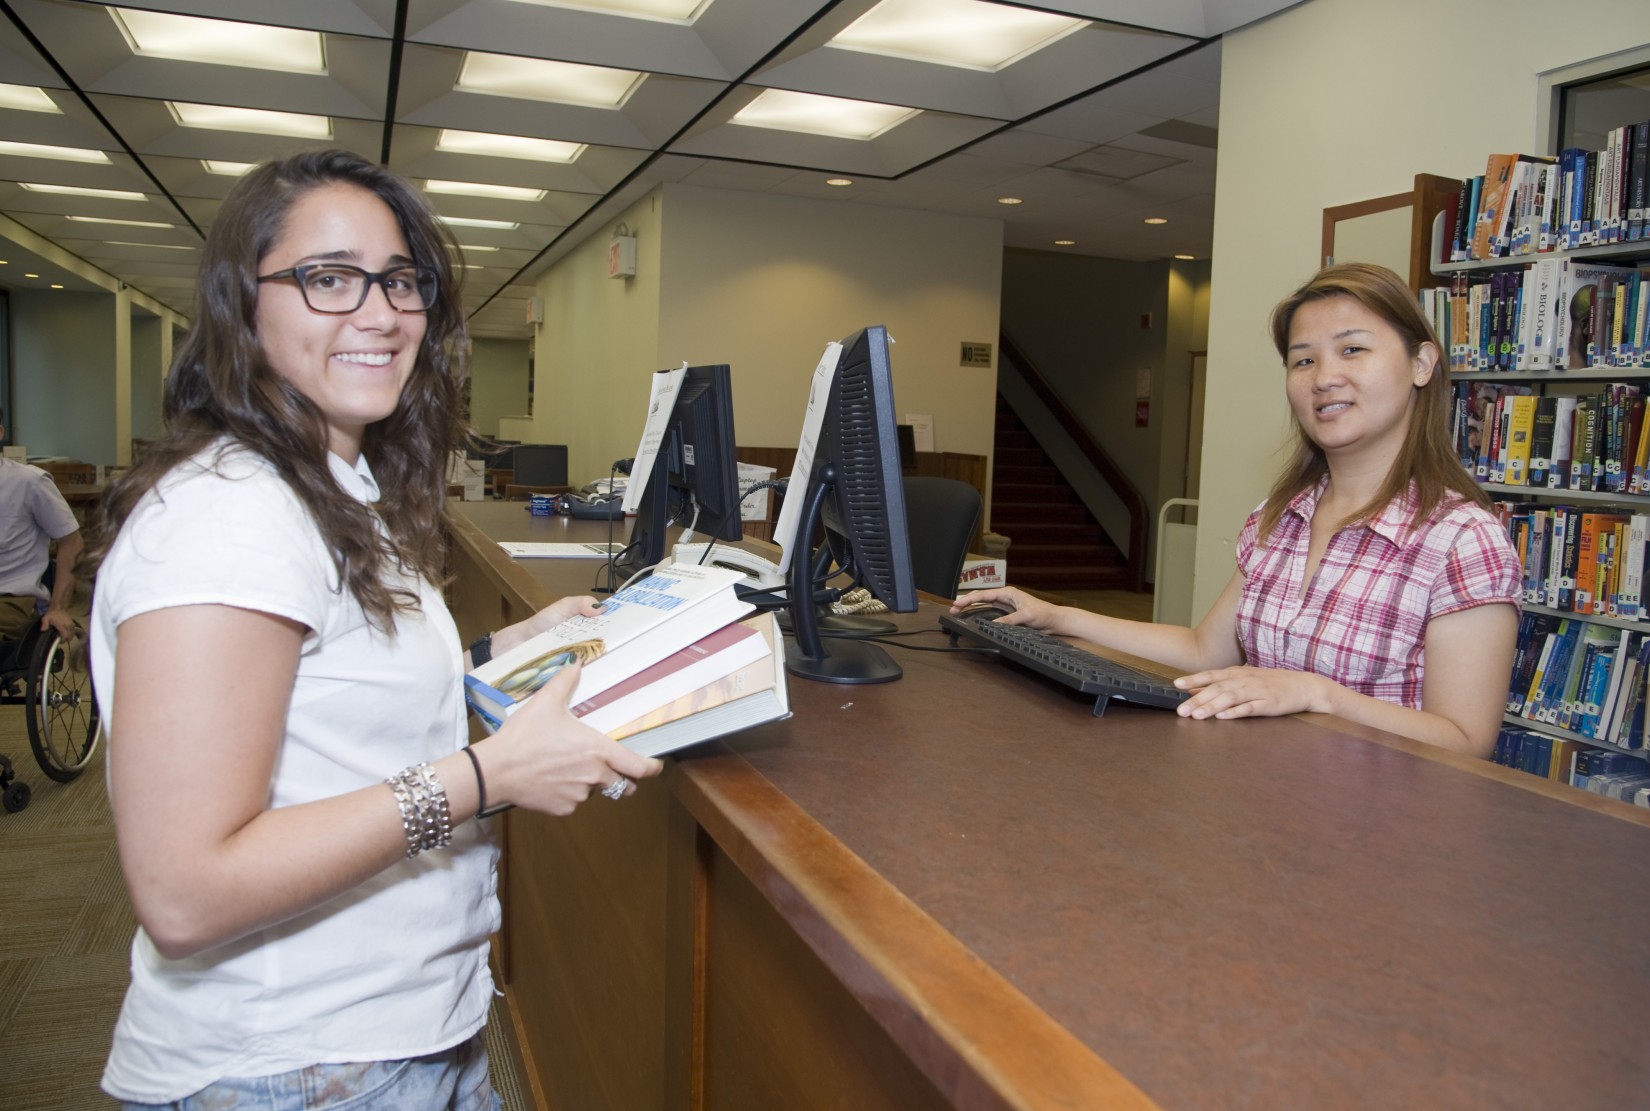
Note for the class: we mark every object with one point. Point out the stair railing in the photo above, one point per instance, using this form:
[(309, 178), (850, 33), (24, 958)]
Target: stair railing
[(1103, 464)]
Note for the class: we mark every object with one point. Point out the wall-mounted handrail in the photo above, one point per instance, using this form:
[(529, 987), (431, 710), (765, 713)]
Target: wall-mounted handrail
[(1103, 464)]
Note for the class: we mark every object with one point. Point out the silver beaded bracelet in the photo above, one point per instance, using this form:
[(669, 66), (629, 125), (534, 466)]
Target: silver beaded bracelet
[(425, 817)]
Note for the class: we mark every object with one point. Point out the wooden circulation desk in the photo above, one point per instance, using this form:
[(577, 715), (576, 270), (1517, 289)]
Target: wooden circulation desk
[(962, 889)]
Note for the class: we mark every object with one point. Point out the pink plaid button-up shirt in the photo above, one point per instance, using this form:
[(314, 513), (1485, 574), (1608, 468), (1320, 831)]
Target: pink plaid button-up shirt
[(1362, 621)]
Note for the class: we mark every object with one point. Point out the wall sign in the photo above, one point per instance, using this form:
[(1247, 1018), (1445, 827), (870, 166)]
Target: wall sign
[(976, 354)]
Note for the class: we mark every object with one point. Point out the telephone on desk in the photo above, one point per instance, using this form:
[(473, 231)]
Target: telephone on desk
[(765, 574), (598, 507), (761, 572)]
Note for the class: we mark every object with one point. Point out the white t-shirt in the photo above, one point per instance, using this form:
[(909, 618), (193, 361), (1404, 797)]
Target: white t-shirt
[(394, 968)]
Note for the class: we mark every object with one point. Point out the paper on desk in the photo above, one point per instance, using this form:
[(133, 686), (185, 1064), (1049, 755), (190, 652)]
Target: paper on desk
[(661, 400), (819, 396)]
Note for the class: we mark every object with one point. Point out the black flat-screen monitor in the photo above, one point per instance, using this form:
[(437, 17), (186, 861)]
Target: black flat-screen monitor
[(539, 465), (695, 475), (857, 493)]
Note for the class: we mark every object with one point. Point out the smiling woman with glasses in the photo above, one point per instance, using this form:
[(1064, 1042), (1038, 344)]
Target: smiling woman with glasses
[(273, 654)]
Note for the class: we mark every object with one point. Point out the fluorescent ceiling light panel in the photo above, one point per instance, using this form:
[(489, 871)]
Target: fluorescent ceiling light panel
[(258, 121), (465, 250), (480, 189), (148, 246), (221, 42), (821, 115), (462, 222), (61, 154), (125, 223), (540, 79), (228, 169), (84, 191), (27, 98), (507, 146), (669, 11), (965, 33)]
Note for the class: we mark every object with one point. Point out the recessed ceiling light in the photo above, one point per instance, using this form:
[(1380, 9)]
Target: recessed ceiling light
[(481, 189), (62, 154), (507, 146), (228, 169), (1010, 200), (463, 222), (127, 223), (83, 191), (474, 266), (964, 33), (258, 121), (31, 275), (1184, 258), (56, 285), (220, 41), (541, 79), (839, 181), (821, 115), (27, 98), (1065, 242), (468, 249), (672, 11), (149, 246), (1156, 220)]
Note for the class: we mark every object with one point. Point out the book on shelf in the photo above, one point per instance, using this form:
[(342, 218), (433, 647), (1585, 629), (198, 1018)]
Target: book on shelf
[(639, 625), (751, 696)]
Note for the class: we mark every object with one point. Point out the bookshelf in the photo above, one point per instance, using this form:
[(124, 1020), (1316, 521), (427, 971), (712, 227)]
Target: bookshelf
[(1619, 709)]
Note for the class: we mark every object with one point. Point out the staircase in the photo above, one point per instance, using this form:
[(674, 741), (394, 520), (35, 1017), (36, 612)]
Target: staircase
[(1057, 544)]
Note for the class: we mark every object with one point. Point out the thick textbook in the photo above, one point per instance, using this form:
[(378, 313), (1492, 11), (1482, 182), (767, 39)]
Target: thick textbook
[(751, 696), (638, 626), (699, 664)]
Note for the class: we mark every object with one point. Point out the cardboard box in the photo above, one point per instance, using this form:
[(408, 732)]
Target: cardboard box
[(756, 508), (979, 572)]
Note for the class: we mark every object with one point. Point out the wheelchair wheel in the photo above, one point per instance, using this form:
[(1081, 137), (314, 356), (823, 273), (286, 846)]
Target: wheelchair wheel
[(16, 797), (62, 714)]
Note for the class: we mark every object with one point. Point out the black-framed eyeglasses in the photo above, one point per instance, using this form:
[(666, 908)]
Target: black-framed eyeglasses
[(336, 287)]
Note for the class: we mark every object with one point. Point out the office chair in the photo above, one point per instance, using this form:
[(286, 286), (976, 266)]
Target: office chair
[(942, 514)]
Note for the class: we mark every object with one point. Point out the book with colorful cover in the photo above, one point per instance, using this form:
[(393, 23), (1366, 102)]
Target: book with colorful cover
[(639, 625), (699, 664), (753, 695)]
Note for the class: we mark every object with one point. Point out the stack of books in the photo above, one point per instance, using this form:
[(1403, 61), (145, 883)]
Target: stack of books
[(672, 660)]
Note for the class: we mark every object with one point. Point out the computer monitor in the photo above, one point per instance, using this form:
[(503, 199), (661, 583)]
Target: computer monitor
[(857, 493), (539, 465), (695, 476)]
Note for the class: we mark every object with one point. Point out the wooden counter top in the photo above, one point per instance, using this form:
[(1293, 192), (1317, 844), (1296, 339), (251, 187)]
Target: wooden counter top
[(1045, 909)]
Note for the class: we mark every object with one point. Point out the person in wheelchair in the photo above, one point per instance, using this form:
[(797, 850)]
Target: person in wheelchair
[(33, 514), (282, 682)]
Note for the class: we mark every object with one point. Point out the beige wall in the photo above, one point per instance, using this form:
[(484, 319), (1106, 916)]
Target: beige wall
[(597, 346), (498, 382), (1332, 102), (762, 283)]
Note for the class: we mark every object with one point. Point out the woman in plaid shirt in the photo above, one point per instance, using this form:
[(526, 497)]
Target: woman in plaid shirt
[(1373, 583)]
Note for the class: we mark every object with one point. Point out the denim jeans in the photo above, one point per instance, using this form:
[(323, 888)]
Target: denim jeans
[(453, 1080)]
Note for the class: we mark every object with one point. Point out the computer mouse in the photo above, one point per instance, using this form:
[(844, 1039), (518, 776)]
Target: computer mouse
[(985, 611)]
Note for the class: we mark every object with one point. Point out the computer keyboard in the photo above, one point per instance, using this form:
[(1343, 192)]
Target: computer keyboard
[(1066, 663)]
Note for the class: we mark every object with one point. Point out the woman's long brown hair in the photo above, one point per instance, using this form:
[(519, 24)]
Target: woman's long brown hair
[(1427, 458), (221, 387)]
